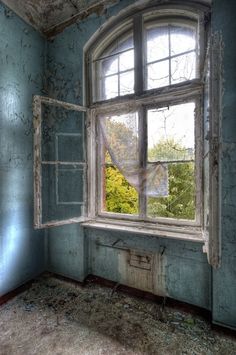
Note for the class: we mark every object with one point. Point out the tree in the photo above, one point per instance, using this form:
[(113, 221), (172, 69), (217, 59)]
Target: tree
[(121, 197)]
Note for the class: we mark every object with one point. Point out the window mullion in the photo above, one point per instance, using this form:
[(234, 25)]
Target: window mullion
[(138, 53), (142, 162)]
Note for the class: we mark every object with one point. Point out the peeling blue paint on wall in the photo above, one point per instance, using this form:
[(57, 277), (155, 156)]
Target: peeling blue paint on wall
[(224, 279), (21, 73)]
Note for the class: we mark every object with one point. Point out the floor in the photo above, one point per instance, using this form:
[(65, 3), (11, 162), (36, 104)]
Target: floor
[(58, 317)]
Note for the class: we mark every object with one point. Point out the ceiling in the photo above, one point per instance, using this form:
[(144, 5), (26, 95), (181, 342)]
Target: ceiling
[(47, 16), (51, 16)]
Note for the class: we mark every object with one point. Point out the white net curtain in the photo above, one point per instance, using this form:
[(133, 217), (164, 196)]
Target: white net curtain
[(120, 147)]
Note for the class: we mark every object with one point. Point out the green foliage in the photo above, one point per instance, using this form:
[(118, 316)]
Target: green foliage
[(180, 203), (120, 196)]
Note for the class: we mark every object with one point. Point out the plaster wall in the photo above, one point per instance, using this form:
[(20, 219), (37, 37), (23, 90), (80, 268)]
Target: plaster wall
[(21, 73), (224, 283)]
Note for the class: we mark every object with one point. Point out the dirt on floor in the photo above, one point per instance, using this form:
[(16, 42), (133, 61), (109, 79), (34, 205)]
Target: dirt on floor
[(59, 317)]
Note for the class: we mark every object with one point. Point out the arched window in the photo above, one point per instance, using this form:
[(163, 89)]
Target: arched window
[(145, 136)]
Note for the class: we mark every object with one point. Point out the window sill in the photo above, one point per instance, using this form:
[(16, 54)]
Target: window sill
[(173, 232)]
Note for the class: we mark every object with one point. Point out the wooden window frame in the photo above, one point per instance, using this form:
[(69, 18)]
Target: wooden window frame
[(191, 90)]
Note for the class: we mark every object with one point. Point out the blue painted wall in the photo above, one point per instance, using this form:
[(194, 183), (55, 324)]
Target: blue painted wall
[(224, 279), (21, 74)]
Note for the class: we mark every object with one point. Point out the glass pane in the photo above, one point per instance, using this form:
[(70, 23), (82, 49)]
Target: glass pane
[(120, 135), (157, 44), (111, 87), (62, 192), (119, 162), (183, 68), (62, 134), (126, 60), (158, 75), (67, 177), (118, 57), (127, 83), (171, 133), (182, 39), (120, 196), (109, 66), (180, 201), (69, 147)]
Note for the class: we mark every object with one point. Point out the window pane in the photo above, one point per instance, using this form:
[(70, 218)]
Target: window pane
[(158, 75), (62, 192), (157, 44), (111, 87), (183, 68), (180, 201), (109, 66), (62, 134), (171, 133), (127, 83), (120, 135), (119, 163), (118, 57), (170, 41), (182, 40), (127, 60)]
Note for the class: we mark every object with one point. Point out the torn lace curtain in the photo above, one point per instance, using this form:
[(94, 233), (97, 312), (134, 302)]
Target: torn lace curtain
[(119, 144)]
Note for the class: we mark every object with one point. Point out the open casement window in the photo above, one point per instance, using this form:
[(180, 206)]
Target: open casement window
[(59, 162)]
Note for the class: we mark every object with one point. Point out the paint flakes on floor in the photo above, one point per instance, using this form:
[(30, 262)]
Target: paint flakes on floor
[(57, 317)]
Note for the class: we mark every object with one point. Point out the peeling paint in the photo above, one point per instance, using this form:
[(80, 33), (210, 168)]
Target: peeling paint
[(51, 17)]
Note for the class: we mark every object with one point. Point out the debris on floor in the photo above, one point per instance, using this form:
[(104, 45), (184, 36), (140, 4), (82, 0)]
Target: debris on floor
[(58, 317)]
